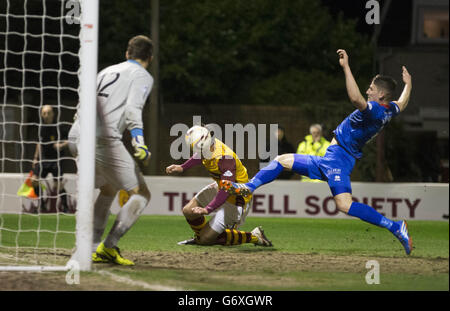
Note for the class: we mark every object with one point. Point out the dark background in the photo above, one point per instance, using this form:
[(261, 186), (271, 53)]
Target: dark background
[(258, 62)]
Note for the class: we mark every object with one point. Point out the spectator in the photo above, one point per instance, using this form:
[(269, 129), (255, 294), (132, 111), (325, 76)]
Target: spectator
[(314, 144), (47, 157)]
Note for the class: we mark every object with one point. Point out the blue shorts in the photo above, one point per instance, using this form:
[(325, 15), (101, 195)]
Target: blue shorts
[(335, 168)]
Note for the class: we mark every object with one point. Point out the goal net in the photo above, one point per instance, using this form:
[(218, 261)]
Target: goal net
[(48, 52)]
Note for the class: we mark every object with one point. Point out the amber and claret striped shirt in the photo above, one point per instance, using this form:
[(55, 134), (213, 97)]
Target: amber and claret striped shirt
[(224, 164)]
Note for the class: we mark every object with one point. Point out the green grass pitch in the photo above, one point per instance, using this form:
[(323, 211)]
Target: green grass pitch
[(308, 254)]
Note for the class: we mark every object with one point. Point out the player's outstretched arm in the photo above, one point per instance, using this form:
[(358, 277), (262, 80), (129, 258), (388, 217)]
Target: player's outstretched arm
[(174, 169), (191, 162), (403, 100), (352, 88)]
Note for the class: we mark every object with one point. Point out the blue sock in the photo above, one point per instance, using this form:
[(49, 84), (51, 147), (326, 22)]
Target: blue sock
[(266, 175), (370, 215), (300, 165)]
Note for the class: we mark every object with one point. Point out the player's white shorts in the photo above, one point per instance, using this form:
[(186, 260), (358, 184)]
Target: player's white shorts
[(228, 216), (114, 165)]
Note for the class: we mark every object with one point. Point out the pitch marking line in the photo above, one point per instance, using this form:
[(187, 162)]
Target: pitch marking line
[(114, 277), (129, 281)]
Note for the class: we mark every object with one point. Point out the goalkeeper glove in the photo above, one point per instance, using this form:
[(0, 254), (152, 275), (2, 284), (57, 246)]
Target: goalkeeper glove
[(141, 149)]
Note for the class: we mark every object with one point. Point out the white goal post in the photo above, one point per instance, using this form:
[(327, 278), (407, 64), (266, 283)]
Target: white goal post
[(15, 25), (87, 115)]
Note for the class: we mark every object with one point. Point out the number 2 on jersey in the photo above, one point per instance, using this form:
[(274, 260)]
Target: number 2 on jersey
[(101, 89)]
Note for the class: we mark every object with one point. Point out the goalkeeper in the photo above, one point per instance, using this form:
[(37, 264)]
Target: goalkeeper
[(122, 91)]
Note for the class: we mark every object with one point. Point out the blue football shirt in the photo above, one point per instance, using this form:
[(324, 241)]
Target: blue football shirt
[(361, 126)]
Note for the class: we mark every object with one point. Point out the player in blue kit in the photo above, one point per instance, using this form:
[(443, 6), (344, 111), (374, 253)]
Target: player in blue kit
[(346, 147)]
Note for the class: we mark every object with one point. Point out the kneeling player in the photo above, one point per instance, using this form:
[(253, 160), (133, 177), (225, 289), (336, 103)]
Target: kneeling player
[(230, 210)]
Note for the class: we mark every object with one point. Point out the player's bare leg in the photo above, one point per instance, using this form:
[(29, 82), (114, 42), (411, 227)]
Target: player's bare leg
[(343, 202), (196, 222), (286, 160), (207, 236)]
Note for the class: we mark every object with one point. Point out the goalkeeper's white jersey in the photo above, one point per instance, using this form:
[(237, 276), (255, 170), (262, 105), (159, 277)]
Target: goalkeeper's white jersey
[(122, 92)]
